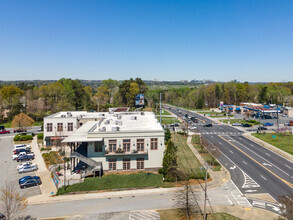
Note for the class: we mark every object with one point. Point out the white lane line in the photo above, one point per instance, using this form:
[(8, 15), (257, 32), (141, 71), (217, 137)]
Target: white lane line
[(229, 200), (231, 151), (288, 166), (263, 177), (252, 145), (220, 143), (268, 154), (244, 162)]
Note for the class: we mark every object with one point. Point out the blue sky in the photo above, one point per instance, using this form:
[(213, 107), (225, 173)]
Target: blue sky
[(249, 40)]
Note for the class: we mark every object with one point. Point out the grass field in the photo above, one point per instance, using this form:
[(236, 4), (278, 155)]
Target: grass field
[(117, 181), (176, 214), (52, 158), (187, 161), (168, 120), (204, 153), (281, 141)]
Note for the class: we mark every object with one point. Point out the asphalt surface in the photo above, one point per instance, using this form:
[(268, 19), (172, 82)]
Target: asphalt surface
[(254, 169), (8, 168)]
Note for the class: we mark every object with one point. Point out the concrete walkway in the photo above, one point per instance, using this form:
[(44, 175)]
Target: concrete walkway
[(47, 186), (218, 177)]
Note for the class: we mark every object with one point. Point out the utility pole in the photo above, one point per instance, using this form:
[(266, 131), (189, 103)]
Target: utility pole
[(64, 158), (205, 195), (160, 108)]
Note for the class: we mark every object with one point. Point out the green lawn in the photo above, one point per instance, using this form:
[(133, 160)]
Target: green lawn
[(281, 140), (187, 161), (117, 181), (168, 120), (177, 214), (204, 153)]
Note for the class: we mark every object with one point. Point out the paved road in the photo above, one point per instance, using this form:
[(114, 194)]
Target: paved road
[(254, 169), (8, 168)]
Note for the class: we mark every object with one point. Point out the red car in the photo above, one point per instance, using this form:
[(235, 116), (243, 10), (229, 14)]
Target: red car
[(4, 132)]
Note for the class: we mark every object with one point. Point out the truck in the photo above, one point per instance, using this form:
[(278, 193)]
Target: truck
[(15, 156), (24, 157)]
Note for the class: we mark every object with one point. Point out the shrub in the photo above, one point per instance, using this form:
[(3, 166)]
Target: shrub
[(25, 137), (40, 136), (17, 137)]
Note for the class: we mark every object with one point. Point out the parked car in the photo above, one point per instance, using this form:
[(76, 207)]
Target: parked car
[(29, 182), (28, 178), (16, 156), (236, 124), (208, 125), (24, 164), (287, 123), (4, 132), (22, 146), (17, 151), (25, 157), (268, 124), (262, 128), (174, 125), (246, 125), (28, 168)]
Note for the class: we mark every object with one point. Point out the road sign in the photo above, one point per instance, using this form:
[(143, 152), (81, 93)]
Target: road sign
[(274, 136)]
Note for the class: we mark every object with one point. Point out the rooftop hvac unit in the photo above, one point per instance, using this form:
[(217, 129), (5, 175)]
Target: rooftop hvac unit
[(142, 113), (101, 115), (118, 122), (69, 114), (133, 118), (115, 128), (63, 116), (102, 129), (119, 117), (107, 122)]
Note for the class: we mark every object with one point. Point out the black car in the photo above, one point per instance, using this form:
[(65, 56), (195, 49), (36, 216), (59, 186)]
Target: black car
[(246, 125), (208, 125), (30, 182), (262, 128), (17, 151), (25, 157)]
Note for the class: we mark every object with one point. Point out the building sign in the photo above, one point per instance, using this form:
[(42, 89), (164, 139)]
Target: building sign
[(139, 100)]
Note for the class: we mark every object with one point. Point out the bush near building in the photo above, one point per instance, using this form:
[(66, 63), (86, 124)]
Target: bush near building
[(40, 136), (52, 158), (20, 137)]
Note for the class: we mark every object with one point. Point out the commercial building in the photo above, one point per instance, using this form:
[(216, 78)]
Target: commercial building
[(109, 141)]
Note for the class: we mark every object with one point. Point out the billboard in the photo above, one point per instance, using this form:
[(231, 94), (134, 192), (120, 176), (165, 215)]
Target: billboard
[(139, 100)]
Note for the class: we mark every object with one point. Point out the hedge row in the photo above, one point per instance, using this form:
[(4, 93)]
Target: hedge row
[(20, 137)]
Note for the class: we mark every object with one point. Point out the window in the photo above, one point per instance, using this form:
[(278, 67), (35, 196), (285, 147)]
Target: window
[(126, 145), (70, 127), (140, 144), (99, 146), (140, 163), (126, 164), (154, 143), (112, 145), (59, 126), (49, 127), (112, 164)]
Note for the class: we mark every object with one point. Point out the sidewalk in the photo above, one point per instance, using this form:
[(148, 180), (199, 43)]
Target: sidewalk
[(47, 186), (218, 177)]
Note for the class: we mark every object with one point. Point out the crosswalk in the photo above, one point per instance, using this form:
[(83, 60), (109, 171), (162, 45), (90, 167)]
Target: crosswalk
[(223, 133), (144, 215)]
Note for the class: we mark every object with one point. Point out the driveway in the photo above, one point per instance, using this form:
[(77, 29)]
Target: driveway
[(8, 168)]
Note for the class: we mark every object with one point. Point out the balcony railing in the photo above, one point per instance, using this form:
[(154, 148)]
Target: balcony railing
[(122, 152)]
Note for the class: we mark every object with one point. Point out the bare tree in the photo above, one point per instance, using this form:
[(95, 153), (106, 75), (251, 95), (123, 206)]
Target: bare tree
[(12, 204)]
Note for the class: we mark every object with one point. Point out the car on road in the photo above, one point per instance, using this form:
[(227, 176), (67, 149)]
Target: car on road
[(287, 123), (192, 128), (28, 168), (25, 157), (16, 156), (236, 124), (246, 125), (262, 128), (268, 124), (208, 125), (18, 130), (174, 125), (28, 178), (29, 183), (4, 132)]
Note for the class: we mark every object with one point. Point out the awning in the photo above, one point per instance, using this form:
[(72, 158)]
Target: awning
[(72, 139)]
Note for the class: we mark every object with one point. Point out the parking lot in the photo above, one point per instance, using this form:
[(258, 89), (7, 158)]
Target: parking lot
[(8, 168)]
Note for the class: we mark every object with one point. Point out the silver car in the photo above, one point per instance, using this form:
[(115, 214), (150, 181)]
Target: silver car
[(28, 168)]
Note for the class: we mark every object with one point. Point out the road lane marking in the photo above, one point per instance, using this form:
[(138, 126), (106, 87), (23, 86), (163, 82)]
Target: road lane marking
[(220, 143), (263, 177), (288, 166), (259, 204), (244, 162), (268, 154), (249, 182), (231, 151), (284, 181)]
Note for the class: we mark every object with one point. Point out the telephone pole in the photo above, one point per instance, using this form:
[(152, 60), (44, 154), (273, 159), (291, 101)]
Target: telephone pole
[(160, 108)]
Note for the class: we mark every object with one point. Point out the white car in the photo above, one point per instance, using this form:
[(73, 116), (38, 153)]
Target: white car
[(28, 168), (22, 146), (15, 156), (25, 164)]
